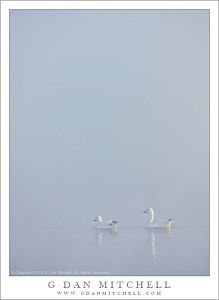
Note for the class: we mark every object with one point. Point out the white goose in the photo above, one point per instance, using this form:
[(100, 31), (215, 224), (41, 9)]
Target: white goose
[(161, 224), (106, 224)]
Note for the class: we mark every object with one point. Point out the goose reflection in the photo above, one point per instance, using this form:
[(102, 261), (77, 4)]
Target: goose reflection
[(103, 233), (99, 237), (153, 237)]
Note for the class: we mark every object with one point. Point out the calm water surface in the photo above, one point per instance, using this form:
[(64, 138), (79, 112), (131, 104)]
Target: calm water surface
[(129, 251)]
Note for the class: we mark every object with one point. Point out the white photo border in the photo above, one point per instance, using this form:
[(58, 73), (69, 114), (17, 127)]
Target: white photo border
[(182, 287)]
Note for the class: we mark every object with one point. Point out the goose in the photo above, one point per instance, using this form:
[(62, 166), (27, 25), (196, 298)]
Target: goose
[(101, 223), (161, 224)]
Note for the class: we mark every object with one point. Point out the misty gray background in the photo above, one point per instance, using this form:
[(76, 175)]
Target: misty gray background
[(109, 115)]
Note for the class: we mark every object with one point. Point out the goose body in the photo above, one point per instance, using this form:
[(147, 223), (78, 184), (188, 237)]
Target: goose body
[(101, 223), (159, 224)]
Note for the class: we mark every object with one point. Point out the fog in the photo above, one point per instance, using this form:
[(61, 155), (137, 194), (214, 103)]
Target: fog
[(109, 115)]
